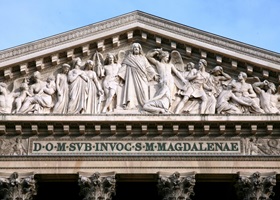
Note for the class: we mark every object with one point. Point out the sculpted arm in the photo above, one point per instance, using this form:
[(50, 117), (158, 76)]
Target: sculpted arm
[(84, 76), (192, 75), (150, 56), (257, 86), (51, 90), (252, 94), (98, 86), (225, 76), (241, 102), (178, 74)]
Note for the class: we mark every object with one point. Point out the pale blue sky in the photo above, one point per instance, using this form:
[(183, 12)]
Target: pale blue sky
[(255, 22)]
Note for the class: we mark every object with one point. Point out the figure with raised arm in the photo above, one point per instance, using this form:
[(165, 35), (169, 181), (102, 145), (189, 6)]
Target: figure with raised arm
[(268, 99), (161, 102), (245, 92), (165, 67), (200, 87)]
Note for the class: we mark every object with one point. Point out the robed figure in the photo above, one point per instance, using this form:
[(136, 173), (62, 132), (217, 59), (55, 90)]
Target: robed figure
[(136, 73)]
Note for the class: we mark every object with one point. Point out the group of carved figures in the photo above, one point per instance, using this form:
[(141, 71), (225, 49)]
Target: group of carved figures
[(175, 186), (158, 82)]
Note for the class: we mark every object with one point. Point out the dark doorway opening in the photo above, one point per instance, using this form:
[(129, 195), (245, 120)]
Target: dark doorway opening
[(214, 190), (58, 191), (136, 191)]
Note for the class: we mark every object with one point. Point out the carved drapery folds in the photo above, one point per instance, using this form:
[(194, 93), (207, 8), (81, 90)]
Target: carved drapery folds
[(97, 186), (17, 187), (136, 82), (176, 186), (256, 186)]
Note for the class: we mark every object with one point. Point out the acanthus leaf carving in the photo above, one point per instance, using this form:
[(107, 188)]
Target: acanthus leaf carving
[(16, 187), (256, 186), (97, 186), (176, 186)]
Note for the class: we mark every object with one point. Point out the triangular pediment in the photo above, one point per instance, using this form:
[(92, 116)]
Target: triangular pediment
[(211, 88), (117, 35)]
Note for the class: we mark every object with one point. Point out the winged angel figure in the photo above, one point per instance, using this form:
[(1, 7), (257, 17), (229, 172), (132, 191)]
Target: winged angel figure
[(170, 67), (167, 63)]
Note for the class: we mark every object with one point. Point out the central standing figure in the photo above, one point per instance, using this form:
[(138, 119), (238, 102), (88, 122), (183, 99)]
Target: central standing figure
[(136, 72)]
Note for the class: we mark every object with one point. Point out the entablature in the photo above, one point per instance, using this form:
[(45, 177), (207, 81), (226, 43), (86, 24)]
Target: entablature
[(157, 125)]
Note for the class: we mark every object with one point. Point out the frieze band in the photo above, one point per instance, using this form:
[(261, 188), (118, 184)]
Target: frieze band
[(132, 82)]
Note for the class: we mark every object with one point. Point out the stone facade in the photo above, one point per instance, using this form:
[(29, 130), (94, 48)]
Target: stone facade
[(139, 95)]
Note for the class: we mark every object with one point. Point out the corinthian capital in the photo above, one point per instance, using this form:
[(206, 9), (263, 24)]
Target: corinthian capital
[(258, 186), (97, 186), (176, 186), (17, 186)]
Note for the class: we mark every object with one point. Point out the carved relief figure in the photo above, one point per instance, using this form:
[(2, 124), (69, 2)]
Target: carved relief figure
[(42, 92), (21, 96), (6, 99), (62, 90), (268, 100), (218, 78), (78, 88), (164, 67), (93, 90), (136, 72), (111, 80), (224, 102), (199, 84), (17, 146), (161, 102), (245, 92)]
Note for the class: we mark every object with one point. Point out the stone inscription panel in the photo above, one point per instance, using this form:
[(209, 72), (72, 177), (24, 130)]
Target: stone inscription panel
[(133, 147)]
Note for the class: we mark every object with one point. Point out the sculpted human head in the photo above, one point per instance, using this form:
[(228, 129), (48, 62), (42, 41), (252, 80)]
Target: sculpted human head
[(89, 65), (242, 76), (136, 48), (217, 70), (202, 63), (65, 68), (37, 75), (164, 56), (272, 86), (110, 58), (190, 66)]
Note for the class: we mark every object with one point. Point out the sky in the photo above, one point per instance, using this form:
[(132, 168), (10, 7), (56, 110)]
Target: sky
[(254, 22)]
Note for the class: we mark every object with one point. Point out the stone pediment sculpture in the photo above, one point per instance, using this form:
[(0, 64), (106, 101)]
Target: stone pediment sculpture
[(138, 64)]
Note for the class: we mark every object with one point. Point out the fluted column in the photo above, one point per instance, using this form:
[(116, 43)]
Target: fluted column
[(176, 186), (256, 186), (17, 186), (97, 186)]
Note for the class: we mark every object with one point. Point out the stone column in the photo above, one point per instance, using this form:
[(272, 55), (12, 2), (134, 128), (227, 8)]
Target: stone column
[(17, 186), (256, 186), (176, 186), (97, 186)]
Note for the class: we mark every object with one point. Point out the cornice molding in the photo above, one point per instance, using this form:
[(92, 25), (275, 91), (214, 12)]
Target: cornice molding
[(137, 18)]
